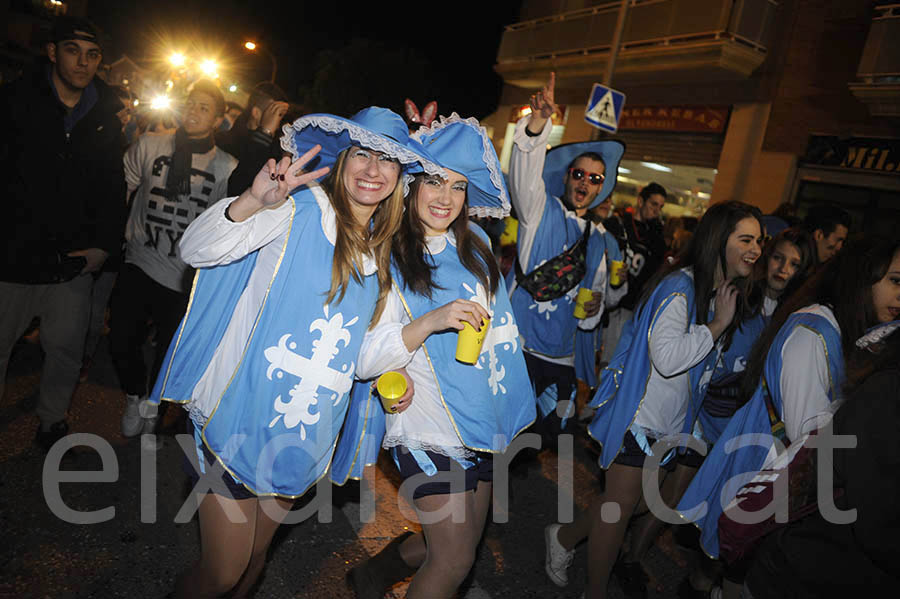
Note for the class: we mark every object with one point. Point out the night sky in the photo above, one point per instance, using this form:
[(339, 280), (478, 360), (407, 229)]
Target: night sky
[(443, 51)]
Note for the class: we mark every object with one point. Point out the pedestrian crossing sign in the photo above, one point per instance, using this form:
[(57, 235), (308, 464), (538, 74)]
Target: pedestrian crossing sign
[(604, 108)]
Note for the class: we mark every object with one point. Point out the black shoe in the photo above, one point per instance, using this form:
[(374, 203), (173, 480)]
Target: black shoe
[(632, 579), (46, 439), (372, 577)]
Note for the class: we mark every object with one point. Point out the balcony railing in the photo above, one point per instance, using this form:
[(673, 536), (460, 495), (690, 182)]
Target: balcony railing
[(878, 74), (662, 24)]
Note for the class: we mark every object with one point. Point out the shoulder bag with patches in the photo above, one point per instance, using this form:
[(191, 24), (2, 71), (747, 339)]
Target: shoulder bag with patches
[(558, 275)]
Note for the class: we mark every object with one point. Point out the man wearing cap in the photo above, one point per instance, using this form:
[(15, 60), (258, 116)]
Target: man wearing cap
[(552, 193), (61, 157)]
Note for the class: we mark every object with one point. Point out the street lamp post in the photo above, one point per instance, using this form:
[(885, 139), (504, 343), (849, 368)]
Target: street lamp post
[(253, 46)]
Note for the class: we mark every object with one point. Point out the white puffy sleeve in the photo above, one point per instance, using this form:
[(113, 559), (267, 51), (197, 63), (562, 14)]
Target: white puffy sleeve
[(676, 345), (383, 348), (211, 239), (805, 383), (526, 185)]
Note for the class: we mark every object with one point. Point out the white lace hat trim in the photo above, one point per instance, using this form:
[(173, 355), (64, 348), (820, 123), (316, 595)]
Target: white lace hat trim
[(361, 135), (489, 157)]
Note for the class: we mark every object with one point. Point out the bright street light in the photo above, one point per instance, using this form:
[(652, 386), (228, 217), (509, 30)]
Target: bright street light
[(177, 59), (209, 67), (253, 46), (233, 88), (161, 102)]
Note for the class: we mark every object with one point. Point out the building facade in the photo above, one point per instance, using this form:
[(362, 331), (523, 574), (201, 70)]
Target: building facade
[(764, 101)]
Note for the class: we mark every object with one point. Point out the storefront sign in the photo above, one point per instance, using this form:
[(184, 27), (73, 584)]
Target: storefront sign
[(856, 153), (696, 119)]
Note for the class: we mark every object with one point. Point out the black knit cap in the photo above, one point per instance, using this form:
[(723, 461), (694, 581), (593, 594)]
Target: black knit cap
[(75, 28)]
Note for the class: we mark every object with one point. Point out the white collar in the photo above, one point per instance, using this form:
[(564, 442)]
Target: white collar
[(437, 243), (330, 228)]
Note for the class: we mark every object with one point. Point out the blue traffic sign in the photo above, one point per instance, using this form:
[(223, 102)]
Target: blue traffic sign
[(604, 108)]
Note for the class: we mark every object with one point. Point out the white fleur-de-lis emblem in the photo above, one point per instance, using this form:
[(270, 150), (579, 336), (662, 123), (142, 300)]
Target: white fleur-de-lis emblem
[(314, 372), (502, 333), (545, 308)]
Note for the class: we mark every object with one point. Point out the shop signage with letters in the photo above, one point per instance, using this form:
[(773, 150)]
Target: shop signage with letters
[(855, 153), (695, 119)]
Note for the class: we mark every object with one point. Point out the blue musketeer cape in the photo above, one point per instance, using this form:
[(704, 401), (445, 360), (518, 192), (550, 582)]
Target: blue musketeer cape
[(724, 472), (587, 343), (488, 403), (549, 327), (709, 427), (275, 426), (623, 382)]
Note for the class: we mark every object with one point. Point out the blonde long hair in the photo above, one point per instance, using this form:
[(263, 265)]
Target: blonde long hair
[(353, 241)]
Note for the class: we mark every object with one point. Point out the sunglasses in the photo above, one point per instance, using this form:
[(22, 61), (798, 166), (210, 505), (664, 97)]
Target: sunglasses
[(579, 173)]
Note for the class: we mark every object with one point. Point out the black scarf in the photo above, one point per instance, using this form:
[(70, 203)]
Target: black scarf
[(178, 181)]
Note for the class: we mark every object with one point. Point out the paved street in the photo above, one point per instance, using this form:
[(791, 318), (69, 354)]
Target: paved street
[(44, 556)]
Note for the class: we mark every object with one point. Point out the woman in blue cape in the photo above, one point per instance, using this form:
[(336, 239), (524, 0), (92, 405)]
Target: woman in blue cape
[(445, 275), (264, 359), (788, 260), (815, 557), (652, 387), (795, 374)]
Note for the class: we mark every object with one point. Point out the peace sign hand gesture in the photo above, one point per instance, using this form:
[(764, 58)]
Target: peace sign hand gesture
[(273, 183)]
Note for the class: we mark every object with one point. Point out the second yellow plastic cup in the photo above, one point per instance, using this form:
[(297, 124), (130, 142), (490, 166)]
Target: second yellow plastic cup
[(584, 296), (468, 344), (616, 273), (391, 387)]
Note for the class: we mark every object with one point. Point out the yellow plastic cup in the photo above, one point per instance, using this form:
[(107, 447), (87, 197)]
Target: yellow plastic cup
[(468, 344), (391, 387), (584, 296), (510, 232), (616, 273)]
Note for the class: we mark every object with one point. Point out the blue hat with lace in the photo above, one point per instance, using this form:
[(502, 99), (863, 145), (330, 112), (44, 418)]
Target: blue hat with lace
[(374, 128), (559, 158), (462, 145)]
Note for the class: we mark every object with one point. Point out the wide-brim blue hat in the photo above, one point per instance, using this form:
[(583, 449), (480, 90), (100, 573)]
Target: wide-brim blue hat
[(463, 145), (374, 128), (558, 160)]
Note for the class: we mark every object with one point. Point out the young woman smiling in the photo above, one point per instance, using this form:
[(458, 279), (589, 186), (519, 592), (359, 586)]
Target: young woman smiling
[(290, 275), (652, 387), (442, 443), (796, 370)]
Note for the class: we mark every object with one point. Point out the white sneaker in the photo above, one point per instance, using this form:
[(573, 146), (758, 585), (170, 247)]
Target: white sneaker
[(132, 421), (557, 560)]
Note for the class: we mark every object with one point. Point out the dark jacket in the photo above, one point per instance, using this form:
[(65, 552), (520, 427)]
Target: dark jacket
[(814, 558), (644, 246), (251, 148), (63, 192)]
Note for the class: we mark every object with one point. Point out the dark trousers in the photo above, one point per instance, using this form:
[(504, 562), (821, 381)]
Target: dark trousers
[(544, 374), (137, 300)]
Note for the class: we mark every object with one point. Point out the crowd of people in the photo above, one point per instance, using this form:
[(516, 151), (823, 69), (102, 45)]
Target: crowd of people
[(285, 269)]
